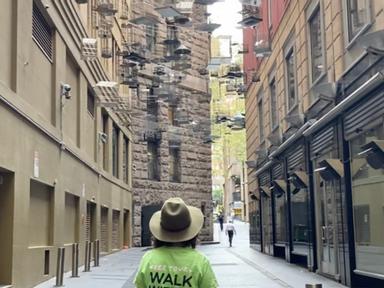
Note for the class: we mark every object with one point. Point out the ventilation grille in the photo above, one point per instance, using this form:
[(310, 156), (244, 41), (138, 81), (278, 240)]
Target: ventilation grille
[(42, 32)]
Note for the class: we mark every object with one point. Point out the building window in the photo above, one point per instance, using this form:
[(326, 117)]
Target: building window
[(270, 22), (367, 173), (115, 151), (174, 165), (357, 16), (126, 160), (151, 35), (105, 143), (42, 33), (153, 161), (261, 120), (317, 55), (172, 115), (290, 75), (274, 112), (152, 106), (91, 102)]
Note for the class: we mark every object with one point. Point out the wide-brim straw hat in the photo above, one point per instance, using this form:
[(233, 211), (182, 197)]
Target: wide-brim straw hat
[(176, 221)]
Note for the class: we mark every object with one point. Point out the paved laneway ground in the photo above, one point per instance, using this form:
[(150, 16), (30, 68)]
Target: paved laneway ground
[(238, 266)]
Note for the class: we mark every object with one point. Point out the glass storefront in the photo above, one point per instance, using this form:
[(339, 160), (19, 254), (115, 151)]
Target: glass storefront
[(280, 218), (300, 217), (367, 172), (254, 224)]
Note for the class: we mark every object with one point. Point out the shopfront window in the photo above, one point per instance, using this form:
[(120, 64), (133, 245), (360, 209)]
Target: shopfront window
[(300, 216), (367, 172), (280, 218)]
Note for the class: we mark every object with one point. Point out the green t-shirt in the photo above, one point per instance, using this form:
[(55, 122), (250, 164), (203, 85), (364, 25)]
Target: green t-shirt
[(175, 267)]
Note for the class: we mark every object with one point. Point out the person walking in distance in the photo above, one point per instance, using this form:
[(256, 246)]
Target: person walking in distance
[(174, 262), (221, 221), (230, 230)]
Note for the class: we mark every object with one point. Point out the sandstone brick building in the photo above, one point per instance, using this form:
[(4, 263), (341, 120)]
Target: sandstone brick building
[(172, 152), (314, 120)]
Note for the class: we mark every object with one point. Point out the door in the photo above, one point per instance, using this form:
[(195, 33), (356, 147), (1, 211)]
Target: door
[(115, 229), (146, 214), (6, 226), (326, 223), (127, 229), (104, 229), (90, 224)]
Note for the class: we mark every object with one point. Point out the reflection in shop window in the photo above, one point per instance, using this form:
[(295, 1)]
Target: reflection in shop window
[(368, 203)]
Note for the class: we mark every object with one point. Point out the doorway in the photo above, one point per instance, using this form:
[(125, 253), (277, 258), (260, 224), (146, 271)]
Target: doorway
[(146, 214), (90, 225), (127, 229), (6, 226), (326, 225)]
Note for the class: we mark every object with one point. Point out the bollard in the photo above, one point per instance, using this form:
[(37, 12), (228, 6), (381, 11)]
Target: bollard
[(75, 260), (313, 285), (96, 253), (60, 266), (87, 259)]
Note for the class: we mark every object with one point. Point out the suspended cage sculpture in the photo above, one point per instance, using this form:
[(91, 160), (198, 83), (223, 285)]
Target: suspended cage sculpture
[(105, 8), (171, 43), (88, 49), (129, 74), (105, 35), (134, 48), (251, 15)]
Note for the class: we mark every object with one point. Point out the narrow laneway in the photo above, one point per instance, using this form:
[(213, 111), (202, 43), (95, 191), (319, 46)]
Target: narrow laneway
[(238, 266)]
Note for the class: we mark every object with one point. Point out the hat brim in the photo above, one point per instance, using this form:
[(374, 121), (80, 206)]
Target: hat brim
[(197, 220)]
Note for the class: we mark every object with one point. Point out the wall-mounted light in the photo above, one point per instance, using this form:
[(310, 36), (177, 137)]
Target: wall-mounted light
[(374, 153), (330, 169)]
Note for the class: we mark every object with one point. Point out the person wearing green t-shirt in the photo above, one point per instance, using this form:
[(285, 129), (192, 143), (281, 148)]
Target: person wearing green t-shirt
[(174, 262)]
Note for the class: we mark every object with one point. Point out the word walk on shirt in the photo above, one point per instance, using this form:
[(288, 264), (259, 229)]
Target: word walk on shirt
[(175, 267)]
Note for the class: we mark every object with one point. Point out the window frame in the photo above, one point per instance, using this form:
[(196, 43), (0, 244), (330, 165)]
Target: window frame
[(175, 160), (260, 122), (290, 49), (315, 7), (90, 92), (273, 106), (41, 16), (115, 150), (349, 39), (153, 146)]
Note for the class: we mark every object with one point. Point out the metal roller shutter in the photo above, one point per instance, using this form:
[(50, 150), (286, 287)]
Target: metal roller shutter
[(264, 179), (323, 142), (115, 229), (277, 171), (296, 157), (88, 221), (364, 116), (104, 230)]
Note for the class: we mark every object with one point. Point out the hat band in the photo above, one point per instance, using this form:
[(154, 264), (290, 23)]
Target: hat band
[(174, 228)]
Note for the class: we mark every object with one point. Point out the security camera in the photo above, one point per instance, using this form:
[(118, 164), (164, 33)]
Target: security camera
[(65, 90), (103, 137)]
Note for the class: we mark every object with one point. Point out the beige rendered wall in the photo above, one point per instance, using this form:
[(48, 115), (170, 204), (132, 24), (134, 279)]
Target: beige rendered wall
[(66, 161)]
